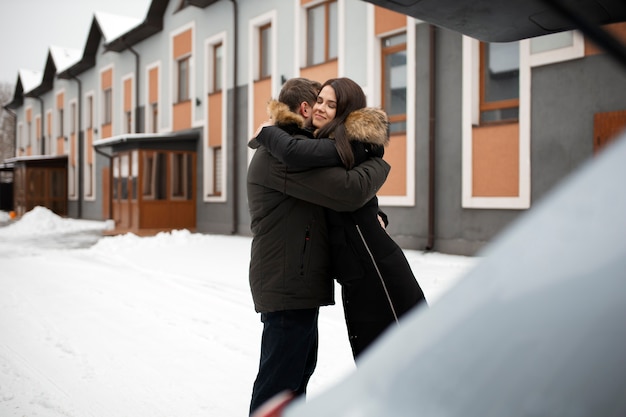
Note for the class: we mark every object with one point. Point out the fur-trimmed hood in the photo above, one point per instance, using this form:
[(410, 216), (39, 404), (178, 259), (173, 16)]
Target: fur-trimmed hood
[(368, 125), (282, 116)]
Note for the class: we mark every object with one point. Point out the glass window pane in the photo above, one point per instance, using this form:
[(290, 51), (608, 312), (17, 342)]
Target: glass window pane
[(218, 68), (501, 71), (551, 42), (315, 35), (264, 56)]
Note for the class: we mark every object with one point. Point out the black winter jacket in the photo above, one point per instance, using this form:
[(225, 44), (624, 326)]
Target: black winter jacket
[(377, 281), (290, 255)]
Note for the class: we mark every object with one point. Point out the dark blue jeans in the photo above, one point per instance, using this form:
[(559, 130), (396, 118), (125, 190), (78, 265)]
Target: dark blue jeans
[(288, 354)]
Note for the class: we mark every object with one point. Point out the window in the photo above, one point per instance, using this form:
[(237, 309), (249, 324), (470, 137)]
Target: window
[(322, 33), (154, 175), (218, 51), (60, 123), (154, 114), (217, 171), (89, 112), (499, 92), (108, 106), (88, 176), (394, 83), (265, 34), (73, 117), (183, 79), (128, 122), (182, 176)]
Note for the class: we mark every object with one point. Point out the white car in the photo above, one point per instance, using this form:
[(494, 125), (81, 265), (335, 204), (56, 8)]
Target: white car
[(538, 327)]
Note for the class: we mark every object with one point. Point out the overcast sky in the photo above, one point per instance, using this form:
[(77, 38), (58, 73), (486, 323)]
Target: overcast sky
[(29, 27)]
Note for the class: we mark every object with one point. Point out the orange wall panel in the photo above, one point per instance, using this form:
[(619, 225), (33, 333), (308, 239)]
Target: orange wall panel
[(60, 100), (215, 119), (395, 155), (262, 94), (182, 44), (29, 115), (60, 146), (128, 94), (107, 131), (106, 79), (321, 72), (182, 115), (153, 77), (495, 161), (387, 20)]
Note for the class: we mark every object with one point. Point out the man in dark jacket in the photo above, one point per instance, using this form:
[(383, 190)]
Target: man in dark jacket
[(290, 275)]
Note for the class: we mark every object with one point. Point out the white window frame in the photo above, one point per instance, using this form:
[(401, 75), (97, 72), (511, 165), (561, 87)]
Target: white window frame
[(209, 176), (374, 98)]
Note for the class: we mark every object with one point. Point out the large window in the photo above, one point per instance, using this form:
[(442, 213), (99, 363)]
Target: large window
[(154, 175), (265, 51), (218, 52), (499, 93), (322, 33), (59, 123), (182, 176), (394, 83), (183, 79), (108, 106)]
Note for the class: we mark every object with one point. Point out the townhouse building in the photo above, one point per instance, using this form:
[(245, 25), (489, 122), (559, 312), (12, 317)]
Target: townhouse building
[(148, 124)]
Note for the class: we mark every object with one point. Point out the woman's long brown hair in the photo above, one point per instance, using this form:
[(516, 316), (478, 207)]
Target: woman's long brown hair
[(350, 97)]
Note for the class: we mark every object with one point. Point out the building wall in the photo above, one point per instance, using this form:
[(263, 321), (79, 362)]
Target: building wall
[(564, 97)]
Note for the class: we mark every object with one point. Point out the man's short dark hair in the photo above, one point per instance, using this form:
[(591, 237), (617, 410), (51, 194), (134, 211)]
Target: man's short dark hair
[(297, 90)]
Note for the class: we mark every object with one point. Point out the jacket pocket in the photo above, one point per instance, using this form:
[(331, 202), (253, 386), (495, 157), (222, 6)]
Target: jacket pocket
[(305, 250)]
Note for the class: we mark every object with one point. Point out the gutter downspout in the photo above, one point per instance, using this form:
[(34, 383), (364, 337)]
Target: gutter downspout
[(81, 150), (138, 128), (235, 217), (431, 139)]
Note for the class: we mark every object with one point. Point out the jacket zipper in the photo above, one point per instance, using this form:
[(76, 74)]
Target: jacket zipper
[(307, 238), (380, 275)]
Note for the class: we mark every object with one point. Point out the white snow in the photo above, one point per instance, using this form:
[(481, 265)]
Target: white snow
[(144, 326)]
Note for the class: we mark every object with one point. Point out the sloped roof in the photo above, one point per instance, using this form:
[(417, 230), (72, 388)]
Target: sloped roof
[(153, 23), (26, 80), (57, 59), (112, 26), (103, 26)]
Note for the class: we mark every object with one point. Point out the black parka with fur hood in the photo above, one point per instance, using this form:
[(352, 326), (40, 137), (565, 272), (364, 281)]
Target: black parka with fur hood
[(290, 255), (377, 281)]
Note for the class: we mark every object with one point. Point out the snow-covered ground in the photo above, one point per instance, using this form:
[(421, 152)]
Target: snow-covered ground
[(118, 326)]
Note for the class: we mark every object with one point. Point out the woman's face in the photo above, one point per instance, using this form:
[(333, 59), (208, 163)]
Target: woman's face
[(325, 108)]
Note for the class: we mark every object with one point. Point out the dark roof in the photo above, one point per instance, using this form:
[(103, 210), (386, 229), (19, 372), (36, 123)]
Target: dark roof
[(153, 23), (47, 81), (88, 60), (509, 20), (18, 96)]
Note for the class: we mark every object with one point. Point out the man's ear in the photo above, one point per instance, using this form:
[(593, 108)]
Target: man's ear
[(305, 109)]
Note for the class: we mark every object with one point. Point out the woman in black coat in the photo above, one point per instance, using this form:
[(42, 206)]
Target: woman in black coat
[(378, 285)]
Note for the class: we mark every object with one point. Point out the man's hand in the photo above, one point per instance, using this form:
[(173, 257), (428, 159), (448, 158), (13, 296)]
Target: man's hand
[(253, 143)]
